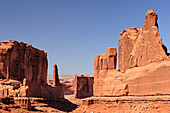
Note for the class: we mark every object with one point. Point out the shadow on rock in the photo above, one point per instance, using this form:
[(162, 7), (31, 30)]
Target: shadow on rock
[(62, 105)]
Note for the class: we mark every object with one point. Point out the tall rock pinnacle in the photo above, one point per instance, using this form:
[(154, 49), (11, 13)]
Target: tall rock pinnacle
[(138, 47), (55, 76), (150, 20)]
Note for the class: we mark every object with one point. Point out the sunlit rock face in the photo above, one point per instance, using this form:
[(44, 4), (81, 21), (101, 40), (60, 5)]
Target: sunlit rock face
[(138, 47), (19, 60), (22, 62), (143, 62)]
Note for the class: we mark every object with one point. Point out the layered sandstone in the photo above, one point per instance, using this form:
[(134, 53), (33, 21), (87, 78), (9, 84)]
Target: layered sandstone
[(152, 79), (23, 63), (144, 64), (19, 60), (101, 66), (83, 86), (106, 61), (125, 104), (138, 47)]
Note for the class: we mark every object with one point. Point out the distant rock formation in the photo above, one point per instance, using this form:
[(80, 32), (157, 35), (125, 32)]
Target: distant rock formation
[(144, 64), (21, 62), (55, 76), (83, 86)]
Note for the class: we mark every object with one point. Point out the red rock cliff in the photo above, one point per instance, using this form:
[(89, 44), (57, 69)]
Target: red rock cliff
[(83, 86), (19, 60), (144, 64), (138, 47)]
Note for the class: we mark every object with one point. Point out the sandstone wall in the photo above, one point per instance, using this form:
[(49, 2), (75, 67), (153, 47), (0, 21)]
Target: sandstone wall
[(83, 86), (138, 47), (101, 66), (27, 65), (144, 64), (19, 60)]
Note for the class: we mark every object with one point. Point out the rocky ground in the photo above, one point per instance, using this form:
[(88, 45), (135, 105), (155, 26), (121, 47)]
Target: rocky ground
[(149, 107), (147, 104), (100, 106), (150, 104), (60, 105)]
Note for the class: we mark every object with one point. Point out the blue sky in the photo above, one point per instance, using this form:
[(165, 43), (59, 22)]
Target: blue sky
[(74, 31)]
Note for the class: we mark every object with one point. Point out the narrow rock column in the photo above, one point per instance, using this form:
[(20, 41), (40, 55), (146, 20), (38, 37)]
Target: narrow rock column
[(111, 55), (75, 87), (96, 62), (55, 76)]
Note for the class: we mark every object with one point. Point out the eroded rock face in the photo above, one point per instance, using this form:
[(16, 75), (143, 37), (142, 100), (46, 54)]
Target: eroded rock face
[(151, 79), (83, 86), (55, 76), (144, 64), (24, 89), (138, 47), (102, 64), (19, 60), (23, 63), (111, 54), (106, 61)]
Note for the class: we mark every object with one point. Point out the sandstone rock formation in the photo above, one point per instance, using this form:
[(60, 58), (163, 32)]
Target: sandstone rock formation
[(24, 89), (19, 60), (151, 79), (101, 66), (106, 61), (83, 86), (23, 63), (144, 64), (138, 47), (55, 76)]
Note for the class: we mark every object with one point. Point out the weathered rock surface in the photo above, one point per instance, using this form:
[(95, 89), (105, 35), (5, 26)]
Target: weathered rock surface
[(68, 83), (111, 54), (19, 60), (125, 104), (24, 103), (55, 76), (83, 86), (152, 79), (109, 83), (138, 47), (102, 64), (106, 61), (144, 64)]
